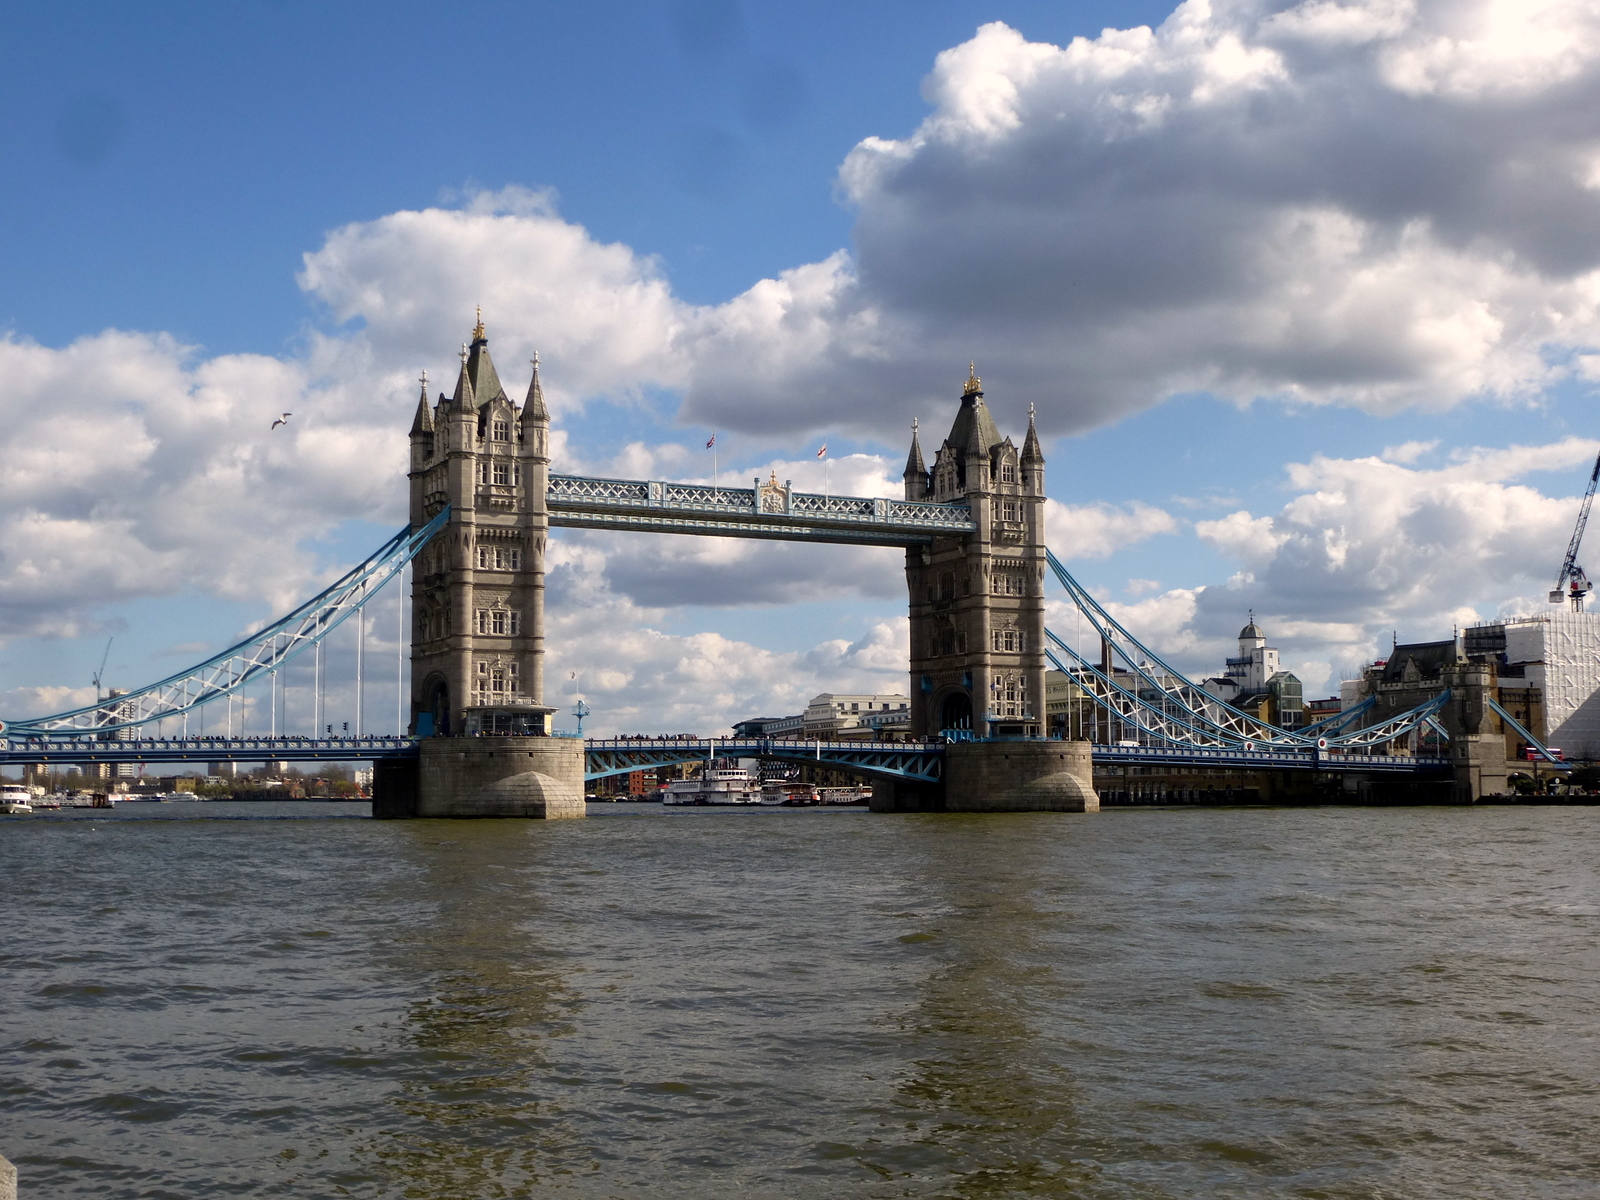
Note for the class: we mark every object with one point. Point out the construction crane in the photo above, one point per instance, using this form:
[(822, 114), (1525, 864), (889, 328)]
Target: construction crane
[(101, 672), (1572, 578)]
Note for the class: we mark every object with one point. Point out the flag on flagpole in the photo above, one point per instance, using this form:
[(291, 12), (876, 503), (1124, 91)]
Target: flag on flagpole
[(822, 452), (712, 442)]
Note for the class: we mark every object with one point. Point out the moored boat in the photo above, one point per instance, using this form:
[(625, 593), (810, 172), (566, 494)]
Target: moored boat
[(724, 786)]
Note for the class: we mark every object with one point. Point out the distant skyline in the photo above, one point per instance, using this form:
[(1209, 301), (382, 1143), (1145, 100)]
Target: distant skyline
[(1306, 296)]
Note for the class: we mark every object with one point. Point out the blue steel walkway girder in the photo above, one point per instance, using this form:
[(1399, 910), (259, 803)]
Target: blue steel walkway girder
[(769, 511), (1179, 757), (921, 761), (204, 750)]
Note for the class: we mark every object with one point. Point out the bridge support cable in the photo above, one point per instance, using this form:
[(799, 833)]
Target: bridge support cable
[(1140, 658), (1130, 708), (263, 653), (1533, 742), (1339, 720), (1179, 703), (1187, 715)]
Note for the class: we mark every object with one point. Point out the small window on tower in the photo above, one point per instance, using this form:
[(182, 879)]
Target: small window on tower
[(502, 473), (515, 625), (497, 622), (501, 431), (1008, 472), (513, 559), (483, 558)]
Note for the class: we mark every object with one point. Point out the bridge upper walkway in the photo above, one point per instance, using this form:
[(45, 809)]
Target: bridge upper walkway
[(769, 511)]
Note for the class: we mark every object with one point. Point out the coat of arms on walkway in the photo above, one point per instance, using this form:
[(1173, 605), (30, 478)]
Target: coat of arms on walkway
[(774, 495)]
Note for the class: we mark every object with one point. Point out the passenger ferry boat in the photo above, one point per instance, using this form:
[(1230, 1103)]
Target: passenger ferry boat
[(716, 785), (16, 799), (789, 794)]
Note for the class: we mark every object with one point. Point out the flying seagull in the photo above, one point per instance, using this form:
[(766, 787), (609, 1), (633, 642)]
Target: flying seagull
[(283, 420)]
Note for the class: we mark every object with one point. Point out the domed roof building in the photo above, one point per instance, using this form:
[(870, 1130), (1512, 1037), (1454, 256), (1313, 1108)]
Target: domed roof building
[(1256, 683)]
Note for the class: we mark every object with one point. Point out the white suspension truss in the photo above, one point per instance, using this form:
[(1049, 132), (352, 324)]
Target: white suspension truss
[(266, 651)]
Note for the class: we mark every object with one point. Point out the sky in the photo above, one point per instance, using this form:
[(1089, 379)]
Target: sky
[(1306, 296)]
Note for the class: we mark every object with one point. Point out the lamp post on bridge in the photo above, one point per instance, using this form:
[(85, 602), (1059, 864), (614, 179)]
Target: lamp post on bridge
[(581, 711)]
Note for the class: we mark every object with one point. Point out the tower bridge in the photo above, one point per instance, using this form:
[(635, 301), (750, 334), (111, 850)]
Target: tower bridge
[(971, 524)]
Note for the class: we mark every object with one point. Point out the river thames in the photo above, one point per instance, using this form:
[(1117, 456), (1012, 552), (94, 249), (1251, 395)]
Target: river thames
[(209, 1000)]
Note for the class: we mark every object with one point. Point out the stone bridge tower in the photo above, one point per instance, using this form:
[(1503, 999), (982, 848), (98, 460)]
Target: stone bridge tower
[(977, 602), (477, 593), (477, 610), (977, 630)]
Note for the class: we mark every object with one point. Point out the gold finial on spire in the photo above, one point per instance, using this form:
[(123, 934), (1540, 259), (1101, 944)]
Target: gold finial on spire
[(535, 360), (974, 384), (477, 330)]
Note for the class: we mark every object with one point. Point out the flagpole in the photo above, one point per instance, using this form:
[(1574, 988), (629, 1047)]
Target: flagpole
[(713, 466)]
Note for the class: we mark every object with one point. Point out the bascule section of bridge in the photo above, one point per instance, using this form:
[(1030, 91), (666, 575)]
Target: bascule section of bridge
[(474, 736)]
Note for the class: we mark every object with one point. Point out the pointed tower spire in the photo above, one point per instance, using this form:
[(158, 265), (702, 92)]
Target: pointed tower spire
[(533, 409), (1031, 452), (463, 398), (914, 464), (973, 432), (423, 422), (480, 368)]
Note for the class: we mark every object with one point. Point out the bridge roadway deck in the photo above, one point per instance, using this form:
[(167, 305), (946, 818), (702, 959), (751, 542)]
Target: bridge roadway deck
[(617, 756)]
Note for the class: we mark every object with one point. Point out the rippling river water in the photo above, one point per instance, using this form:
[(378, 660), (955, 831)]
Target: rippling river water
[(282, 1000)]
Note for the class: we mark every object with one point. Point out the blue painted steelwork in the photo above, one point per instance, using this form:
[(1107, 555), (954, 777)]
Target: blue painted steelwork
[(922, 761), (1174, 724), (1270, 759), (237, 666), (1186, 714), (1535, 743), (15, 750), (771, 511)]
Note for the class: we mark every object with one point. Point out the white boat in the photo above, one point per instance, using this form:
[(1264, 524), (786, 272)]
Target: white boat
[(785, 793), (847, 795), (16, 799), (716, 785)]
